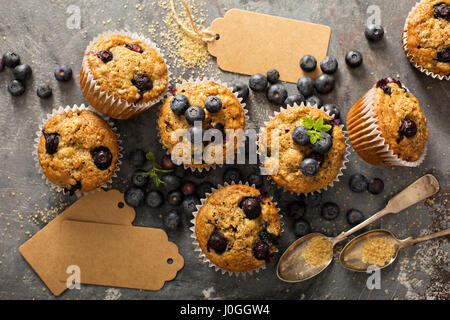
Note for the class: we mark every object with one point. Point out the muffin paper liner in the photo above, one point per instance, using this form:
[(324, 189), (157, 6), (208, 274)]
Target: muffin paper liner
[(366, 137), (243, 105), (345, 159), (202, 256), (105, 102), (37, 140), (408, 54)]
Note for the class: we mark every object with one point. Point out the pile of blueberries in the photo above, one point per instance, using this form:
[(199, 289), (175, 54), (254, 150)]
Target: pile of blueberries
[(22, 72)]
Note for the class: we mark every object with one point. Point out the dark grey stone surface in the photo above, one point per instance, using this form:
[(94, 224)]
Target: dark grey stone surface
[(37, 31)]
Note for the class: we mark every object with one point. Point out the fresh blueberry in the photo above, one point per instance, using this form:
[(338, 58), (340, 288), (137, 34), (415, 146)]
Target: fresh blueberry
[(188, 188), (241, 89), (167, 163), (407, 129), (218, 242), (330, 211), (189, 204), (297, 99), (171, 220), (261, 250), (213, 104), (296, 209), (354, 58), (273, 75), (301, 227), (332, 109), (324, 83), (375, 186), (102, 157), (313, 200), (314, 101), (374, 32), (443, 55), (329, 65), (276, 93), (258, 82), (171, 182), (105, 55), (137, 179), (317, 156), (16, 88), (135, 47), (204, 188), (305, 86), (309, 167), (251, 207), (63, 73), (194, 113), (22, 72), (442, 11), (137, 158), (143, 82), (44, 91), (11, 59), (354, 217), (358, 183), (268, 237), (154, 199), (323, 145), (2, 64), (134, 197), (175, 198), (232, 175), (256, 180), (179, 104), (300, 136), (194, 134), (308, 63), (51, 142)]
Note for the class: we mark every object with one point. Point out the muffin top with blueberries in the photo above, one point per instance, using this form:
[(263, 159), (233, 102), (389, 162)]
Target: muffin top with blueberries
[(78, 151), (201, 112), (428, 31), (127, 68), (400, 119), (311, 149), (238, 228)]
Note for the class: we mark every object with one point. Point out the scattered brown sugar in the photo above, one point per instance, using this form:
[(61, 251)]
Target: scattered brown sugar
[(318, 251), (377, 251)]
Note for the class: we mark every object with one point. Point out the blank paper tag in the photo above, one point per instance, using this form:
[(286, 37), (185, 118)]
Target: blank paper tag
[(252, 43)]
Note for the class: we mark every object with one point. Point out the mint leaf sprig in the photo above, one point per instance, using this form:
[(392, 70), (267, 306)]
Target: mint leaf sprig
[(315, 128), (156, 167)]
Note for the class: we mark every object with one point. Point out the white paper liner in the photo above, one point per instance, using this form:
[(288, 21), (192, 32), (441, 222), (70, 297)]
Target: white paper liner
[(409, 55), (243, 105), (202, 256), (118, 108), (370, 123), (344, 161), (37, 140)]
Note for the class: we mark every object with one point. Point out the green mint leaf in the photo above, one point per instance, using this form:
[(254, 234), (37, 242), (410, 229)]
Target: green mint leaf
[(308, 122), (318, 124), (313, 136)]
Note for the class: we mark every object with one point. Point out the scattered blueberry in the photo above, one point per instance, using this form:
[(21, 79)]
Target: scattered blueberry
[(375, 186), (217, 242), (297, 99), (258, 82), (154, 199), (251, 207), (308, 63), (63, 73), (313, 200), (189, 204), (276, 93), (51, 142), (134, 197), (273, 75), (309, 167), (194, 113), (261, 250), (296, 209), (16, 88), (188, 188), (358, 183), (137, 179), (22, 72), (324, 83), (143, 82), (354, 217), (135, 47), (443, 55), (167, 163), (213, 104), (332, 109), (105, 55), (204, 188), (44, 91), (171, 220), (301, 227), (242, 90), (256, 180), (300, 136), (329, 65), (442, 11), (102, 157), (314, 101), (179, 104), (11, 59), (137, 158), (323, 145), (374, 32), (354, 58), (171, 182), (305, 86), (179, 171), (330, 211), (175, 198), (232, 175)]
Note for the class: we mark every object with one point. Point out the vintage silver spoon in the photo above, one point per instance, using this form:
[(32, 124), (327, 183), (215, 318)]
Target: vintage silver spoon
[(292, 267)]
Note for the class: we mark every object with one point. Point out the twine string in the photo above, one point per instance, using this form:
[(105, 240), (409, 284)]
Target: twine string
[(205, 34)]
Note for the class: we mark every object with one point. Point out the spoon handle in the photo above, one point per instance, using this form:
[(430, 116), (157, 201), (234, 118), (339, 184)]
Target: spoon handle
[(410, 241), (419, 190)]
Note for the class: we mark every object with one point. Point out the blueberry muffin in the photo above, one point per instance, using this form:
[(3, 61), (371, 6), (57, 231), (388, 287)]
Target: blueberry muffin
[(122, 76), (427, 36), (402, 132), (238, 228), (311, 149), (215, 109), (78, 151)]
